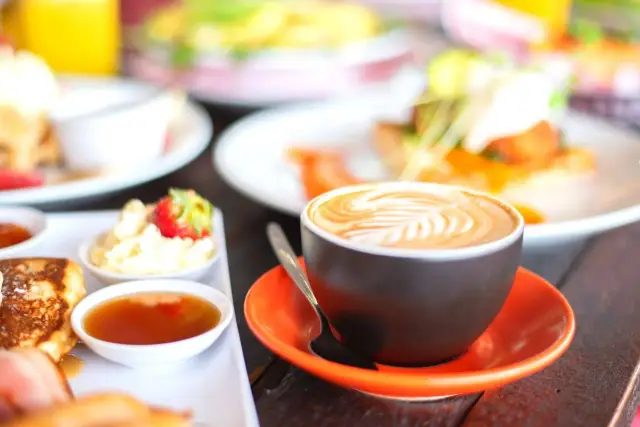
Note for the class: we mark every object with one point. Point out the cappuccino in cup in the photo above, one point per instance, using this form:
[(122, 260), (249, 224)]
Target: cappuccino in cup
[(424, 217), (410, 274)]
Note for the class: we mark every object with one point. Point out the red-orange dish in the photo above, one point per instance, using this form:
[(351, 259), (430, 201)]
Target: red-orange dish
[(534, 328), (12, 234)]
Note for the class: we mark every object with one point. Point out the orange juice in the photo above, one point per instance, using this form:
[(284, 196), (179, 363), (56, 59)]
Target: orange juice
[(73, 36), (553, 14), (9, 28), (509, 25)]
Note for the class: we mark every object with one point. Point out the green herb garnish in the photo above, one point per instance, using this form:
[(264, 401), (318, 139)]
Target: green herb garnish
[(560, 98), (239, 53), (183, 55), (492, 155), (394, 24), (220, 11), (586, 31)]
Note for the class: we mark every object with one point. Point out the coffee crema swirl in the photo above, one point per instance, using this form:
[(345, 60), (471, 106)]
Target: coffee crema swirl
[(414, 219)]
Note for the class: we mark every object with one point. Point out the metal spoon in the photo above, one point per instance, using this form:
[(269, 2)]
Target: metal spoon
[(324, 345)]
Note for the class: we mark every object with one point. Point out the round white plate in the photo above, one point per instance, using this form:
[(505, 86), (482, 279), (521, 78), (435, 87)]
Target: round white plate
[(190, 134), (251, 157), (278, 76)]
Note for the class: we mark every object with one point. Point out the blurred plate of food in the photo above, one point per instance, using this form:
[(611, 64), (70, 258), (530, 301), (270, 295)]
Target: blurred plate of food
[(606, 61), (598, 39), (481, 124), (64, 138), (260, 52), (417, 11)]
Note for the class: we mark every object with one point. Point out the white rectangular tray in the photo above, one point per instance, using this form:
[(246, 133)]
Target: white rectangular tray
[(215, 385)]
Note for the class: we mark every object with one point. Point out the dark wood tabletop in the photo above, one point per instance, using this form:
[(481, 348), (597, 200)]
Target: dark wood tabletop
[(594, 384)]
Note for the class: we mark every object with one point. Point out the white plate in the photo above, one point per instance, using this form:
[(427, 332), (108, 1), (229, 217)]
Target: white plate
[(427, 11), (191, 134), (281, 75), (250, 156), (214, 385)]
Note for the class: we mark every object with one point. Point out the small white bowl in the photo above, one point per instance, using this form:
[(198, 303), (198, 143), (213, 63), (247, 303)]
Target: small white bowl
[(32, 219), (156, 355), (107, 277), (112, 124)]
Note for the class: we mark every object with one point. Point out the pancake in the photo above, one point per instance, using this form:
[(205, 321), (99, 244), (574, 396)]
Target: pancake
[(38, 296)]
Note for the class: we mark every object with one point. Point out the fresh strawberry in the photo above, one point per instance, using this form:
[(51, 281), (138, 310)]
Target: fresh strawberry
[(12, 180), (184, 214)]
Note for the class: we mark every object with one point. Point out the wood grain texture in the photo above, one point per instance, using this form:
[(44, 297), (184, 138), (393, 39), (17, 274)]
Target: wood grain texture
[(300, 400), (555, 263), (596, 382)]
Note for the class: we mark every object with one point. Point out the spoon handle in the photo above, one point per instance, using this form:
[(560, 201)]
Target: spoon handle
[(289, 261)]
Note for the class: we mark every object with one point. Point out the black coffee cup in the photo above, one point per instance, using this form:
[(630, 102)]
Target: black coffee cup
[(408, 307)]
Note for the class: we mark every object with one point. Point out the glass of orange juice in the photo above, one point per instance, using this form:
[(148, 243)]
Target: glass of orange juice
[(512, 25), (73, 36), (553, 14)]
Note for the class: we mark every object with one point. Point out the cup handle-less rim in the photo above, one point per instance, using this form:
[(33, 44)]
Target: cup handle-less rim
[(429, 254)]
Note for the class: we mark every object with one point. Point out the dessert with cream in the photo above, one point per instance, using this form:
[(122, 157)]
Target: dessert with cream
[(172, 235), (28, 92)]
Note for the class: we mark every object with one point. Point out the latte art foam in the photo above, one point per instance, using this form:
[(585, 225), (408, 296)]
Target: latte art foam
[(414, 219)]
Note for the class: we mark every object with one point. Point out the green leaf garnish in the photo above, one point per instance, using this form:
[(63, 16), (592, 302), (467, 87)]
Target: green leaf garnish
[(394, 24), (560, 98), (192, 209), (410, 139), (493, 155), (587, 32), (182, 55), (558, 101), (239, 53), (499, 58), (220, 11)]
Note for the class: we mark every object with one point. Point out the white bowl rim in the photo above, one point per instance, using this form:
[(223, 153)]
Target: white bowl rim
[(147, 286), (14, 211), (83, 254), (153, 94)]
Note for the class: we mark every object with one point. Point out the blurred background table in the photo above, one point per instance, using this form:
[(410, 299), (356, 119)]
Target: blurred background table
[(594, 384)]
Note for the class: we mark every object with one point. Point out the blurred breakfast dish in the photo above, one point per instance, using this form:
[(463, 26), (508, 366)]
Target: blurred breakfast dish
[(37, 296), (482, 123), (264, 52), (174, 234), (33, 392), (28, 92), (68, 346), (52, 134), (243, 27), (605, 60)]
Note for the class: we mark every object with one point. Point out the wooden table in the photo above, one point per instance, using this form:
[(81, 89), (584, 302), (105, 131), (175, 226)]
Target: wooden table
[(594, 384)]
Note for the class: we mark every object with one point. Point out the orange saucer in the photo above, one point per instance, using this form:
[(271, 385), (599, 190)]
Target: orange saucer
[(534, 328)]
